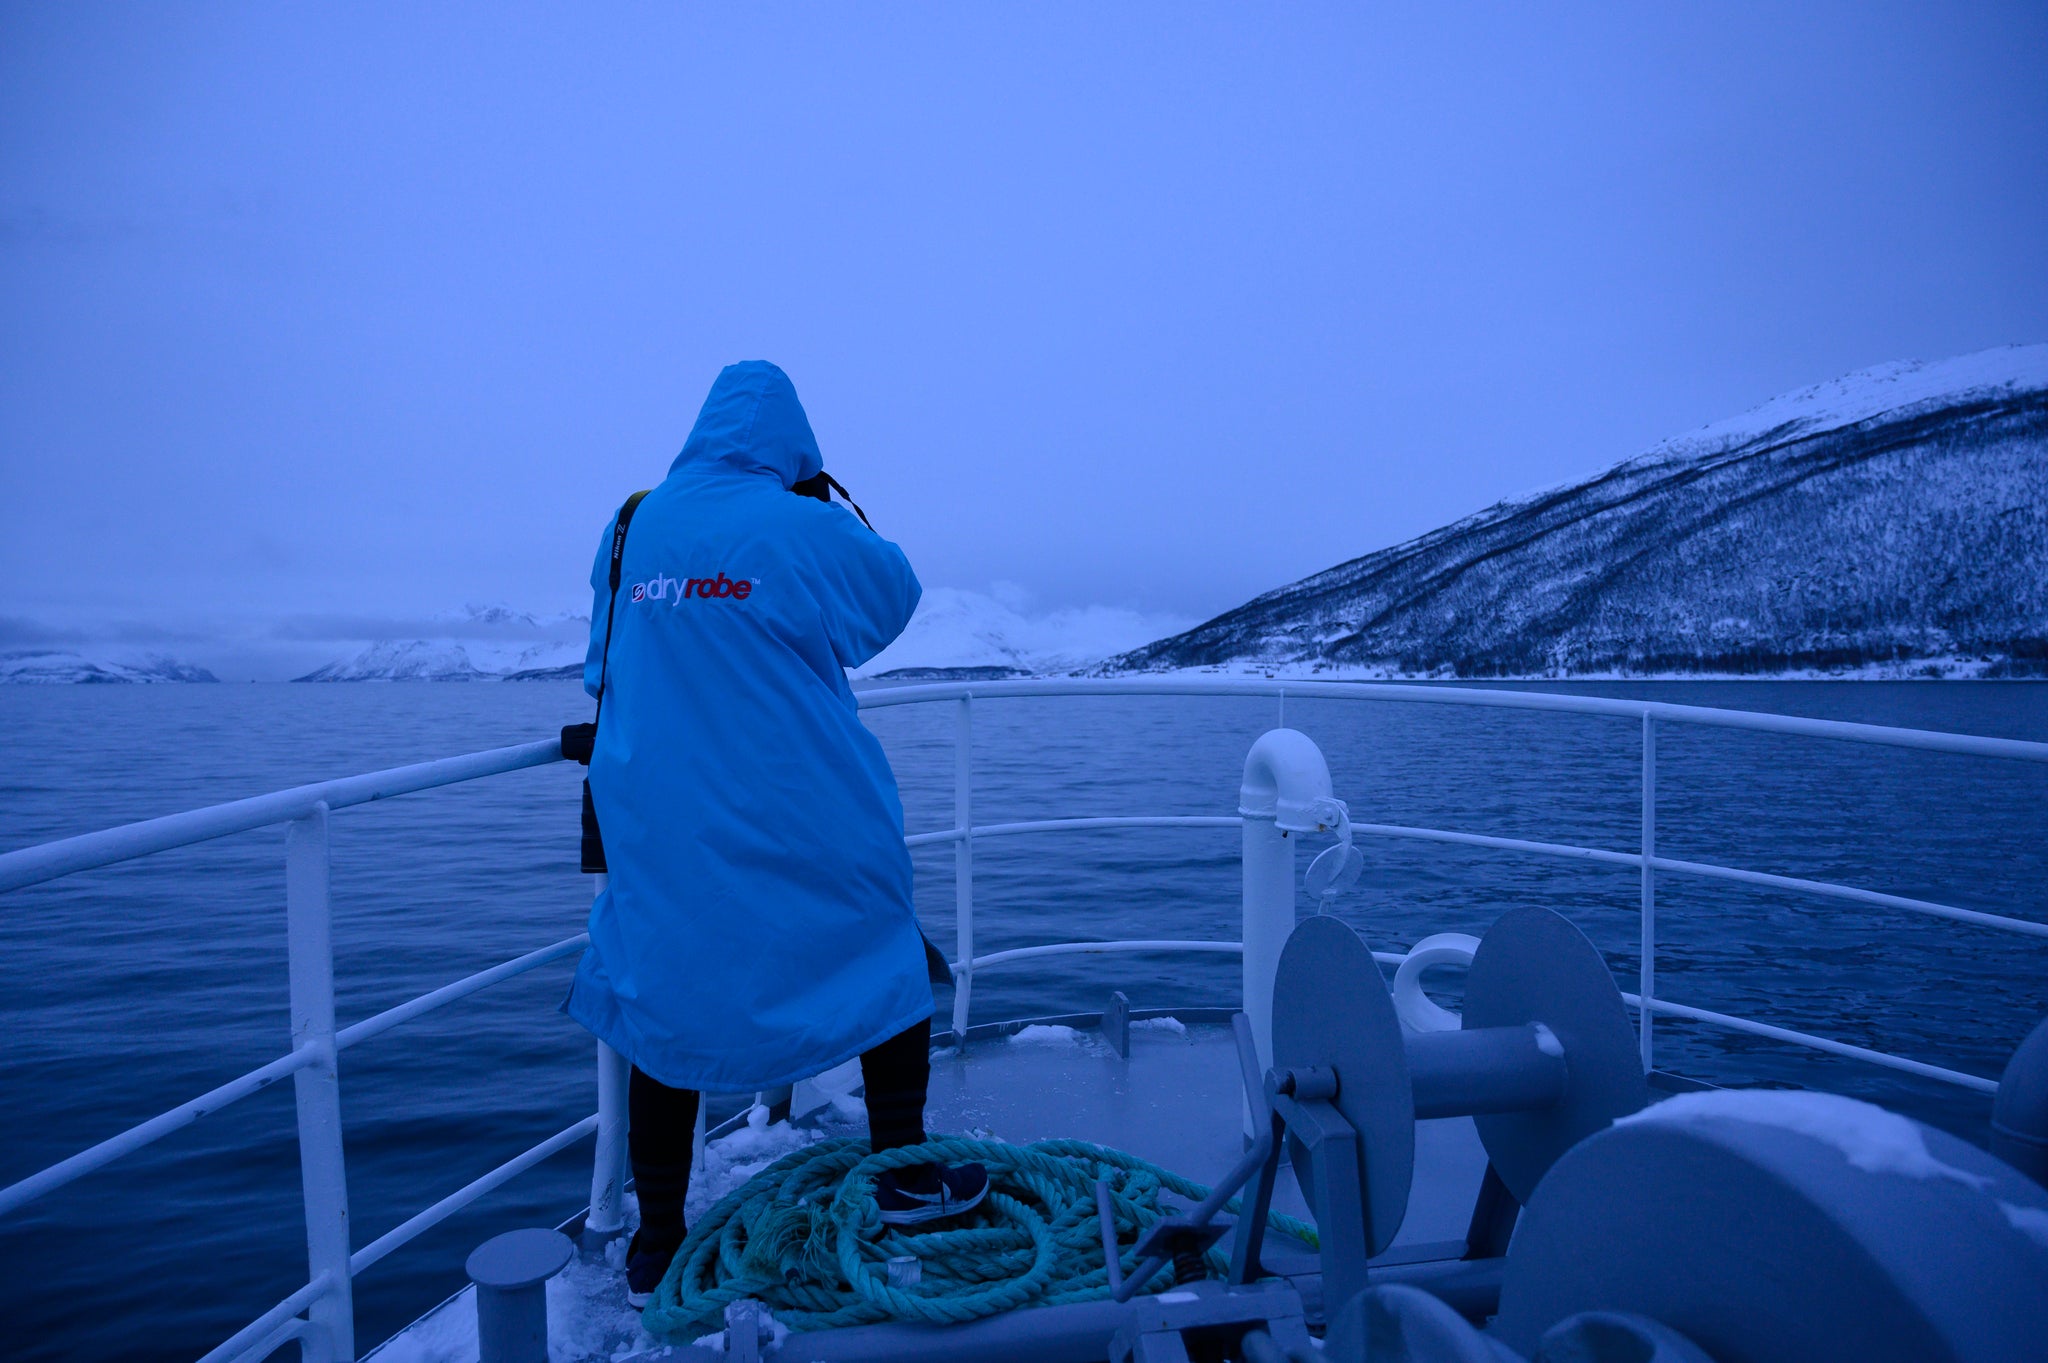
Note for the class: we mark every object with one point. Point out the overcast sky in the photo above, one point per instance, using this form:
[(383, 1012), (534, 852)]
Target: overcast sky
[(370, 311)]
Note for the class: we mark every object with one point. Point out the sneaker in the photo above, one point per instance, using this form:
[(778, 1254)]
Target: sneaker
[(927, 1192), (646, 1265)]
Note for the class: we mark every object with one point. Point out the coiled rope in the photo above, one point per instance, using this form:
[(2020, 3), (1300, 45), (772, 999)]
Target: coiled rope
[(805, 1238)]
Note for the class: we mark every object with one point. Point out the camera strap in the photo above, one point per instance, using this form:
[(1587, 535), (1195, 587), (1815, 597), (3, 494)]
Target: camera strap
[(579, 741), (619, 526), (835, 485), (821, 486)]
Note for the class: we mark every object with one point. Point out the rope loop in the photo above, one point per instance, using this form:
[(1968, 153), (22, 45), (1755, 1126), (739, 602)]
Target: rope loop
[(805, 1238)]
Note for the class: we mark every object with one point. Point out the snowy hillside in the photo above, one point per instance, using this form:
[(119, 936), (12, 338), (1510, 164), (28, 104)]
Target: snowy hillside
[(959, 633), (53, 667), (1892, 522)]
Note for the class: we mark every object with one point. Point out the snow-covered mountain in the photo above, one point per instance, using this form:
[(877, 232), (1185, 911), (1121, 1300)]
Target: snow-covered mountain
[(1892, 522), (401, 660), (447, 660), (57, 667), (475, 643), (963, 634), (954, 633)]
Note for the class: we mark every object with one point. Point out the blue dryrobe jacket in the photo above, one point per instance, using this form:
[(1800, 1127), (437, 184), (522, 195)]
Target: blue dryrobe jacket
[(758, 925)]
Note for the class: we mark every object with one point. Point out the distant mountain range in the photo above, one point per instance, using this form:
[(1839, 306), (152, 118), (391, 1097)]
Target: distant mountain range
[(52, 667), (403, 660), (476, 643), (954, 634), (972, 636), (1890, 523)]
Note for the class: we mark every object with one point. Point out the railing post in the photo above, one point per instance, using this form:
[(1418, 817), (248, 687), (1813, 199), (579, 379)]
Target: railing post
[(608, 1168), (323, 1175), (1646, 983), (963, 865)]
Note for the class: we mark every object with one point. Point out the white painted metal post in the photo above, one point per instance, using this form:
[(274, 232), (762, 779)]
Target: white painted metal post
[(608, 1168), (963, 864), (1268, 921), (1284, 775), (323, 1174), (1646, 982)]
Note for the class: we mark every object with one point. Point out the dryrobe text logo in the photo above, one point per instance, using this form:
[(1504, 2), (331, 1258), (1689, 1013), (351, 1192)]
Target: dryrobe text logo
[(720, 588)]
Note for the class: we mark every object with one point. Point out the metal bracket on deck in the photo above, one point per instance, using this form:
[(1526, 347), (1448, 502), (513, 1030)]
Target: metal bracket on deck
[(1206, 1320), (1298, 1107), (1116, 1023)]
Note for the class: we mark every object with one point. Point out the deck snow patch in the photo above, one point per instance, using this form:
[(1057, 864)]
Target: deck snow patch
[(1872, 1139)]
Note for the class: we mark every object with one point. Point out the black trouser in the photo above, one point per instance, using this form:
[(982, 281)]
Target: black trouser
[(662, 1120)]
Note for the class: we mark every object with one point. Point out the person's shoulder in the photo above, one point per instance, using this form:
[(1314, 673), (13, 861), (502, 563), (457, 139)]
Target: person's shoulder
[(819, 532), (826, 522)]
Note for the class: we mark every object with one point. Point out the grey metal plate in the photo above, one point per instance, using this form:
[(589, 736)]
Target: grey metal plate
[(1535, 966), (1331, 1009)]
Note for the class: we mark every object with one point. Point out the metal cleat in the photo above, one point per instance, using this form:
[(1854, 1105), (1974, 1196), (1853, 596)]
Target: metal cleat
[(511, 1272)]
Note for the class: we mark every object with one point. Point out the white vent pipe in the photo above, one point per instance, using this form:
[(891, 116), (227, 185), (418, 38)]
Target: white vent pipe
[(1286, 791)]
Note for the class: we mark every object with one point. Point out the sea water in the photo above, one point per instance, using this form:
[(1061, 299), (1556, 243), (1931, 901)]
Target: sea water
[(127, 990)]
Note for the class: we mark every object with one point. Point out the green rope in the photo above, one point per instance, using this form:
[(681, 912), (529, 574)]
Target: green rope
[(804, 1237)]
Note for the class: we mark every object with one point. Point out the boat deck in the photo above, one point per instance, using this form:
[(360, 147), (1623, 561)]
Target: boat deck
[(1177, 1101)]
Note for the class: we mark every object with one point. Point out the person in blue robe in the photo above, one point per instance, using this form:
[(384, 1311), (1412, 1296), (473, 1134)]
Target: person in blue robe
[(757, 927)]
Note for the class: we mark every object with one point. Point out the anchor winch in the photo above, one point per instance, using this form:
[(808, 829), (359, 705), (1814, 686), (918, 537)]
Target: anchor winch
[(1545, 1058)]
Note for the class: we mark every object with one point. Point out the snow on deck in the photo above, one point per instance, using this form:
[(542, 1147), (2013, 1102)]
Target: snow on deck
[(1869, 1137), (588, 1318)]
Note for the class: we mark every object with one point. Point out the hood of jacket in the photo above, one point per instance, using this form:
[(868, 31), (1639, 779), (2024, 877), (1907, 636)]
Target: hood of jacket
[(752, 423)]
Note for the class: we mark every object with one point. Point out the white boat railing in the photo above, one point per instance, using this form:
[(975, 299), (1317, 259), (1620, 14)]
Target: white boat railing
[(320, 1315)]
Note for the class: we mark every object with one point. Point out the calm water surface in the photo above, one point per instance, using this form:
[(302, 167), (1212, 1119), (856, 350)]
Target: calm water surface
[(128, 990)]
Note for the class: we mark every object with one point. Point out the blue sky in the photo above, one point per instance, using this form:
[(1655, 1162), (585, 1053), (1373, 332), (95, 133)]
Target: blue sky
[(369, 311)]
